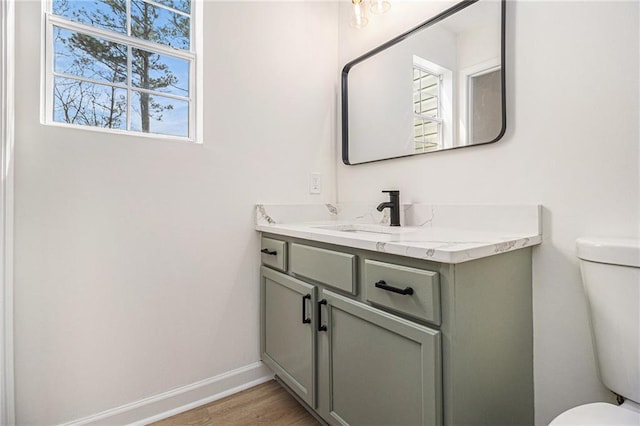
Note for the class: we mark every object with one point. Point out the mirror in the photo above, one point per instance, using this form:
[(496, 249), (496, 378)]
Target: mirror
[(438, 86)]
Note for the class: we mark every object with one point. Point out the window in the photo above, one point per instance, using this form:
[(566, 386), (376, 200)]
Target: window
[(433, 125), (427, 120), (122, 65)]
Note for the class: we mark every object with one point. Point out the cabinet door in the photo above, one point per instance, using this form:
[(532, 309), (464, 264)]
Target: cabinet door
[(382, 369), (287, 333)]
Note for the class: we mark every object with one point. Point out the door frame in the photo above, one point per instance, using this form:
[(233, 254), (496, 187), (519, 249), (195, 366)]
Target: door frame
[(7, 109)]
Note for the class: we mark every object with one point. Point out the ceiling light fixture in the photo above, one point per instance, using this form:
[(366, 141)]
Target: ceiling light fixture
[(380, 6), (359, 19)]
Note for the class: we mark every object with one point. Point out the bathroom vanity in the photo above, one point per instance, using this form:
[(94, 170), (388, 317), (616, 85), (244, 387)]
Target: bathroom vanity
[(418, 325)]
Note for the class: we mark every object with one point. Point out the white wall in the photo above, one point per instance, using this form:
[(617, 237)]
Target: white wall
[(571, 145), (136, 261)]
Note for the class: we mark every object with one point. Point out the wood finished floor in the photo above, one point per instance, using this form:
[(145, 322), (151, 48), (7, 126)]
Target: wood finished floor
[(265, 404)]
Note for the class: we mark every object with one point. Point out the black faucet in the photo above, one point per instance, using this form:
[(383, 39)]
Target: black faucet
[(394, 205)]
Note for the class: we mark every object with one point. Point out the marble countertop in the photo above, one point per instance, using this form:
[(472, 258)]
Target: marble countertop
[(449, 234)]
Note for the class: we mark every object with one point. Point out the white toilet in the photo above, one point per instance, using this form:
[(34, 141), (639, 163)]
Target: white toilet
[(611, 278)]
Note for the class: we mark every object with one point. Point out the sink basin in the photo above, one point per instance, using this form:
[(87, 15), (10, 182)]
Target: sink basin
[(362, 228)]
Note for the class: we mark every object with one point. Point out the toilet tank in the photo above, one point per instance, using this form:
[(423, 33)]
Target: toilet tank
[(611, 278)]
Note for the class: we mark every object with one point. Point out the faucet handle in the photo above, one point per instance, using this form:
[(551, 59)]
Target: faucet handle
[(393, 204)]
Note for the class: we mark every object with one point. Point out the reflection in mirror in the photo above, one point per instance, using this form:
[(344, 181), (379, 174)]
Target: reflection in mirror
[(439, 86)]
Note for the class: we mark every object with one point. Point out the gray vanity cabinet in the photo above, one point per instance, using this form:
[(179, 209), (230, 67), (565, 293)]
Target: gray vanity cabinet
[(400, 341), (377, 369), (288, 338)]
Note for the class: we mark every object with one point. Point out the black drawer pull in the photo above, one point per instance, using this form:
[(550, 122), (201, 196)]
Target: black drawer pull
[(305, 320), (320, 326), (267, 251), (383, 285)]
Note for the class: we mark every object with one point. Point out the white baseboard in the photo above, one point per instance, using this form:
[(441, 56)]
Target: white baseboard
[(178, 400)]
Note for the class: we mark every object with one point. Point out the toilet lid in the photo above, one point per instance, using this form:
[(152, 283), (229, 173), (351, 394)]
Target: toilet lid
[(598, 413)]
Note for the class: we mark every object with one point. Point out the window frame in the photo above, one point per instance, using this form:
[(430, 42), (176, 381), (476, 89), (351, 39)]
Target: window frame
[(50, 20), (422, 116), (445, 99)]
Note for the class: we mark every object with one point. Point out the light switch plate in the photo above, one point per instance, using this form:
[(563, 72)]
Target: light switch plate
[(315, 183)]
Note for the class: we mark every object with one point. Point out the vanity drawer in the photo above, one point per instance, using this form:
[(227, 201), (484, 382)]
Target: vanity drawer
[(274, 253), (421, 288), (329, 267)]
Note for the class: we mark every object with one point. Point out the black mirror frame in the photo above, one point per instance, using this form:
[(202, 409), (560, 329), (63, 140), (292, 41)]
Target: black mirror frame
[(439, 17)]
